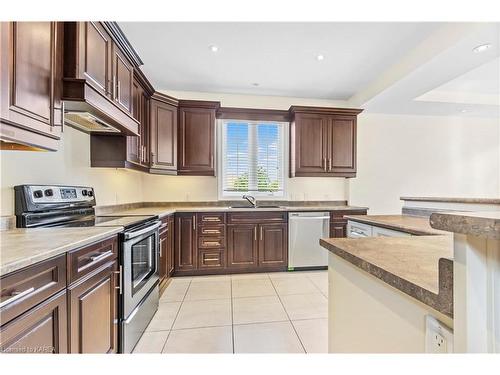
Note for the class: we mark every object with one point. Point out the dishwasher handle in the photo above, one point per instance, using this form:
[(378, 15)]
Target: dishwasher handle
[(309, 217)]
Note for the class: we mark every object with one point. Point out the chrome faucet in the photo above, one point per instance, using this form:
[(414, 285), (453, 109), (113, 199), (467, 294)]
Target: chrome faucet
[(251, 199)]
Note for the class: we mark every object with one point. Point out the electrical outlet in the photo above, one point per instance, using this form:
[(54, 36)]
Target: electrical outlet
[(438, 337)]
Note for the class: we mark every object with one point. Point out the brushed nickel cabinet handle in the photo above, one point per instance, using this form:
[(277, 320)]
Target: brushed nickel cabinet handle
[(211, 259), (261, 233), (119, 273), (211, 243), (211, 218), (211, 231), (194, 222), (97, 258), (324, 164), (255, 234), (329, 164), (114, 87), (16, 295)]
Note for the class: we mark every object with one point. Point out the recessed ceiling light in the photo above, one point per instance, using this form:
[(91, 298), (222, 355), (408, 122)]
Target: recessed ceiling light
[(255, 84), (481, 48), (464, 111), (320, 57), (214, 48)]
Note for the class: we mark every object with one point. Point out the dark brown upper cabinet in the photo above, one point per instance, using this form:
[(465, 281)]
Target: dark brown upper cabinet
[(98, 74), (197, 137), (323, 142), (163, 138), (30, 89)]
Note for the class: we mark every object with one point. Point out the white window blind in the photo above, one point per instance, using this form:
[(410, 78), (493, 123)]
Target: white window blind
[(252, 158)]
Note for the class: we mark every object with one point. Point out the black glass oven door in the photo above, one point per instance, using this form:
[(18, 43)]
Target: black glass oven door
[(143, 261)]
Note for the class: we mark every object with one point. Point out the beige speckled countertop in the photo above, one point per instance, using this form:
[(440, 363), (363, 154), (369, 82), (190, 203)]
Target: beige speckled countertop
[(482, 224), (162, 211), (24, 247), (417, 225), (452, 200), (421, 267)]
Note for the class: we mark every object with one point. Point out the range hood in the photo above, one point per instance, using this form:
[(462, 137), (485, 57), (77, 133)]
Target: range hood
[(88, 122)]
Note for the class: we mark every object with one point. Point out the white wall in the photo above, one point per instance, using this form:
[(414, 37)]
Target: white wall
[(176, 188), (402, 155), (69, 165)]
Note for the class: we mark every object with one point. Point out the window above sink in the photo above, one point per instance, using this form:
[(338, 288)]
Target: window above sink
[(251, 159)]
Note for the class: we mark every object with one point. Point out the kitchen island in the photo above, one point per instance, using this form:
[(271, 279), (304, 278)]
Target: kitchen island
[(381, 289)]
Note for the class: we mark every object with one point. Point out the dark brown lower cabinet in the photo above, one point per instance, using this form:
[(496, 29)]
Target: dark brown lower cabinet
[(242, 246), (338, 228), (93, 312), (170, 247), (166, 267), (42, 329), (186, 249), (273, 245)]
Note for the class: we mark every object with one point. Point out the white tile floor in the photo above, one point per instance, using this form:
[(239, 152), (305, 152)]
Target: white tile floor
[(282, 312)]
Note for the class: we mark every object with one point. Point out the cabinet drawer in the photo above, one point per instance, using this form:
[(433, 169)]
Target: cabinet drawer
[(43, 329), (26, 288), (211, 259), (211, 242), (85, 260), (384, 232), (212, 230), (211, 218), (257, 217)]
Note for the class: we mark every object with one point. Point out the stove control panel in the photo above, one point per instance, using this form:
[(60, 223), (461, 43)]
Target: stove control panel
[(44, 198)]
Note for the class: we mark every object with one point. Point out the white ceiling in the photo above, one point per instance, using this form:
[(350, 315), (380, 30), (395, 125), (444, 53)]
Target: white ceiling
[(452, 81), (280, 57)]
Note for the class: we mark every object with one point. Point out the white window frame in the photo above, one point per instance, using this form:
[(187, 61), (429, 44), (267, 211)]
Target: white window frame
[(220, 164)]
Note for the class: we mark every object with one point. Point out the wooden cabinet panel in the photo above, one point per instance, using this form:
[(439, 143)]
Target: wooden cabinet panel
[(31, 285), (211, 218), (338, 229), (134, 151), (309, 144), (93, 313), (30, 72), (123, 76), (273, 245), (185, 243), (163, 121), (97, 46), (323, 142), (196, 141), (42, 329), (83, 261), (257, 217), (342, 144), (242, 246), (211, 259)]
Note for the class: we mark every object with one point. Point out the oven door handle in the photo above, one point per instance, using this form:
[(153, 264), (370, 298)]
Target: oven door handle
[(130, 235)]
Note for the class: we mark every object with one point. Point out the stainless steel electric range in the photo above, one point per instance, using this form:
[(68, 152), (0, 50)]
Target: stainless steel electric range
[(42, 206)]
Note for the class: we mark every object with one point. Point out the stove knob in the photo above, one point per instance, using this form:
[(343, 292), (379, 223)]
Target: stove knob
[(49, 192), (90, 193), (38, 193), (84, 192)]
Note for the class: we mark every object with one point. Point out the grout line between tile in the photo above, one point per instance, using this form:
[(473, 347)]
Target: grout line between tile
[(176, 315), (232, 316), (286, 312)]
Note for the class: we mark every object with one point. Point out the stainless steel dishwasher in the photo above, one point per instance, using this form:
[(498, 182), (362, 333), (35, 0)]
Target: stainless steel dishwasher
[(305, 230)]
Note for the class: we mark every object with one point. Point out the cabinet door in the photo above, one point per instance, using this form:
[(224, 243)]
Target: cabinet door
[(342, 144), (134, 151), (123, 78), (43, 329), (163, 121), (338, 228), (196, 141), (242, 250), (30, 72), (185, 243), (170, 247), (309, 148), (93, 312), (273, 245), (96, 56)]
